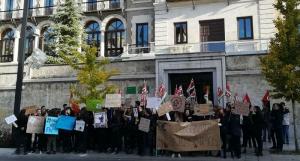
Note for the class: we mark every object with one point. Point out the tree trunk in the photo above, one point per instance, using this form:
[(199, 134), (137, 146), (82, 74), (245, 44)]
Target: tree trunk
[(295, 126)]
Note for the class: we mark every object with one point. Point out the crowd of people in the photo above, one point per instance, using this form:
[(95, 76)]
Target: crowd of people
[(237, 133)]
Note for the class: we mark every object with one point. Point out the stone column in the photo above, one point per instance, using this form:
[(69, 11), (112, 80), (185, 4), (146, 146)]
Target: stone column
[(102, 44), (16, 46)]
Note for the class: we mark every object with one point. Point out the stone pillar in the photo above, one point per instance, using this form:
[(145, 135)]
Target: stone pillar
[(16, 46), (102, 44)]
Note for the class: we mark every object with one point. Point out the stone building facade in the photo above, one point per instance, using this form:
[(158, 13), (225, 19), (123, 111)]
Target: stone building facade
[(163, 41)]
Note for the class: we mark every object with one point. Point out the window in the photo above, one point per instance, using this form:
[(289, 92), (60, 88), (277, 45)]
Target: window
[(142, 36), (93, 32), (49, 7), (212, 35), (30, 7), (114, 38), (29, 41), (114, 4), (181, 35), (45, 40), (7, 46), (9, 8), (92, 5), (245, 28)]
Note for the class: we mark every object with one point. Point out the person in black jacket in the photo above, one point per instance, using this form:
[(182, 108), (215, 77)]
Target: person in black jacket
[(276, 120), (235, 134), (21, 132), (258, 123), (224, 119)]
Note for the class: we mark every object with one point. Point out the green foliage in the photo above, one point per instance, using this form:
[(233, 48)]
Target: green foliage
[(67, 31), (93, 75), (281, 65)]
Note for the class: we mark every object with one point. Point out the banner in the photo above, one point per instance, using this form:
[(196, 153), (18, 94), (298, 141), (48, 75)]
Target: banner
[(144, 125), (203, 109), (113, 100), (35, 125), (10, 119), (50, 126), (165, 108), (241, 108), (30, 109), (178, 103), (94, 105), (153, 102), (188, 136), (66, 123), (100, 120), (80, 124)]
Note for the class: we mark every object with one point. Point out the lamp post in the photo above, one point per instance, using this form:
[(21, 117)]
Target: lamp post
[(21, 53)]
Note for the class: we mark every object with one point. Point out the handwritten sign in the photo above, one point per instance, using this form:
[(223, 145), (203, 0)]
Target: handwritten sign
[(188, 136), (241, 108), (94, 104), (50, 126), (66, 123), (80, 124), (35, 125), (203, 109), (10, 119), (178, 103), (164, 109), (144, 125), (113, 100), (30, 110), (100, 120), (153, 102)]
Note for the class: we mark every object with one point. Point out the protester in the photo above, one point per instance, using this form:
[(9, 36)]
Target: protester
[(267, 128), (258, 123), (285, 123), (276, 131), (235, 134), (51, 139), (224, 120), (21, 132)]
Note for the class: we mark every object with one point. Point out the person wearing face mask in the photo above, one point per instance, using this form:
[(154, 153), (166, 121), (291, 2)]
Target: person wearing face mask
[(258, 123)]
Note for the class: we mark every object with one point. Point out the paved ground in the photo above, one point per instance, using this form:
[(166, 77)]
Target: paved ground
[(7, 155)]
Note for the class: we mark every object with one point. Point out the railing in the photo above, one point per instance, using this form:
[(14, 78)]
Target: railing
[(49, 10), (134, 49), (229, 47)]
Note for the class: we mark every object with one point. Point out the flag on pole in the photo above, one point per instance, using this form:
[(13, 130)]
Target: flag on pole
[(266, 97), (228, 92), (206, 91), (144, 95), (191, 91), (220, 93), (246, 99), (161, 91), (178, 91)]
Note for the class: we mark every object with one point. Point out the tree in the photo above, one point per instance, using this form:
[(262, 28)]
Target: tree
[(67, 31), (281, 66), (93, 75)]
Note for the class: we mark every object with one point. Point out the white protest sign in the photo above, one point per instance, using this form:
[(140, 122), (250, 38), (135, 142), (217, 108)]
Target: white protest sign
[(113, 100), (135, 112), (100, 120), (80, 124), (153, 102), (11, 119), (144, 125)]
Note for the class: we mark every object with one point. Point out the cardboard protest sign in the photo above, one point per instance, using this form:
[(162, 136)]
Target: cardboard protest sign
[(113, 100), (35, 125), (94, 104), (178, 103), (188, 136), (241, 108), (100, 120), (11, 119), (66, 123), (30, 110), (153, 102), (203, 109), (50, 126), (80, 124), (165, 108), (144, 125)]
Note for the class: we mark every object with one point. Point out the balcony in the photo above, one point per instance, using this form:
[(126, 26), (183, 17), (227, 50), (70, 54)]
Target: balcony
[(102, 5), (237, 47)]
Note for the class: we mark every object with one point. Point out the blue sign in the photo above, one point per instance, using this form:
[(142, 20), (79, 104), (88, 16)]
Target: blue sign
[(50, 126), (66, 123)]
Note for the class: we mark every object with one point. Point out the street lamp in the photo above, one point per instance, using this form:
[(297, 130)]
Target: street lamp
[(21, 53)]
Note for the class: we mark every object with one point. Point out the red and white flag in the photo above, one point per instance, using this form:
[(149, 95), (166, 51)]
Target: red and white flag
[(228, 92), (191, 91), (178, 91), (266, 97), (246, 98), (220, 93), (161, 91), (144, 95)]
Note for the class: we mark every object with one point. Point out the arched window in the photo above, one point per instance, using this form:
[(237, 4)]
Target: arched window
[(45, 40), (93, 32), (29, 41), (114, 38), (7, 46)]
